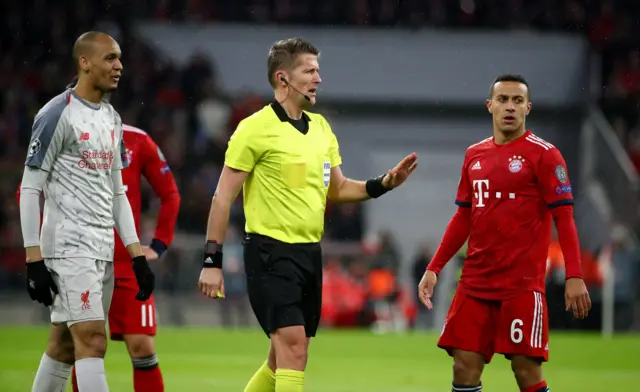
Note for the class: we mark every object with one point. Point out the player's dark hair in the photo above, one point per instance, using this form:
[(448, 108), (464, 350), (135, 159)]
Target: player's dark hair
[(284, 53), (509, 78)]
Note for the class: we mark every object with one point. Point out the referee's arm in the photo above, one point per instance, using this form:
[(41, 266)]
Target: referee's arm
[(229, 186), (346, 190)]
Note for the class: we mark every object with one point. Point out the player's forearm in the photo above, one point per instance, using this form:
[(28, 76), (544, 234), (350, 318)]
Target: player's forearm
[(33, 181), (167, 217), (569, 242), (135, 249), (123, 217), (349, 191), (218, 221), (125, 224), (454, 237)]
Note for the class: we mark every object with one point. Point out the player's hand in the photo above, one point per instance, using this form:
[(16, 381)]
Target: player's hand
[(149, 253), (425, 288), (577, 298), (40, 283), (399, 174), (145, 278), (211, 283)]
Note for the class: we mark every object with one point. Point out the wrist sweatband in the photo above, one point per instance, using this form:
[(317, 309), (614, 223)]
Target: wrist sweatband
[(158, 246), (375, 188), (212, 255)]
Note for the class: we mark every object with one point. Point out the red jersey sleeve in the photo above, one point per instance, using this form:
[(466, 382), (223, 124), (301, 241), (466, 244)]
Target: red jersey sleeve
[(464, 197), (555, 188), (156, 170), (553, 179)]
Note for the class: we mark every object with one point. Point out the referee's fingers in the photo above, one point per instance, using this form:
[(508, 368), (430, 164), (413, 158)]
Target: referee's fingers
[(203, 287)]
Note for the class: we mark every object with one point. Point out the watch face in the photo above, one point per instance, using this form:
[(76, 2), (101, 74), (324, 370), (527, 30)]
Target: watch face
[(212, 247)]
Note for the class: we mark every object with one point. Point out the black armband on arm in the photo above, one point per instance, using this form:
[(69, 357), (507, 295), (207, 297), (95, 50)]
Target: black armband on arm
[(212, 255), (375, 188)]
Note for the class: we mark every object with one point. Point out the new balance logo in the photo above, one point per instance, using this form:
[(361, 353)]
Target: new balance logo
[(476, 166)]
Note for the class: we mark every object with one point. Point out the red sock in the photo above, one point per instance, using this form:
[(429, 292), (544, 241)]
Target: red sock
[(74, 380), (148, 380), (539, 387)]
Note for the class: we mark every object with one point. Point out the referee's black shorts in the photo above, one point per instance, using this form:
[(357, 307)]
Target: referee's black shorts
[(284, 282)]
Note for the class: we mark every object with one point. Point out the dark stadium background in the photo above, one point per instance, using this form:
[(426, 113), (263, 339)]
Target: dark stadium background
[(399, 76)]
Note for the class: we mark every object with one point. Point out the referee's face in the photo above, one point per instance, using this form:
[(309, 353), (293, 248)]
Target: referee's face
[(305, 77)]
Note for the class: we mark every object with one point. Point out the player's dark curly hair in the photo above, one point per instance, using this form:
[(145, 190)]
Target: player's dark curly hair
[(510, 78), (283, 54)]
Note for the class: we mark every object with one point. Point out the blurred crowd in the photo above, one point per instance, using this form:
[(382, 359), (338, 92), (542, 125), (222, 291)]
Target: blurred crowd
[(191, 118)]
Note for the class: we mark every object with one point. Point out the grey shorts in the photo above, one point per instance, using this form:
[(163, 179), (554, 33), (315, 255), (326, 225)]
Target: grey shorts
[(85, 287)]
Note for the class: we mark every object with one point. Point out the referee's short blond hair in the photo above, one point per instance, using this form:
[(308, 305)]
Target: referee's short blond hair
[(284, 53)]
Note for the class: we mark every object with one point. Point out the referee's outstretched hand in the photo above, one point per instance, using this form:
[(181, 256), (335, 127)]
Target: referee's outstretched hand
[(399, 174), (211, 283)]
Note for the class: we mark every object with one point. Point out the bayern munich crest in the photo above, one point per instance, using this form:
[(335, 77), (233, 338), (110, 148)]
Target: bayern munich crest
[(516, 163)]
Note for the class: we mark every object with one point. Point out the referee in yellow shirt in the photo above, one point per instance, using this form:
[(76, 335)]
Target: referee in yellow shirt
[(288, 161)]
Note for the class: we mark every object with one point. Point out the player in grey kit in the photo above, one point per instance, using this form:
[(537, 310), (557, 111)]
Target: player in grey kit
[(75, 158)]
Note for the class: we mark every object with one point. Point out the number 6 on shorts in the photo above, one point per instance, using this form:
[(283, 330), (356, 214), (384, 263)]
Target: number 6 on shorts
[(516, 332), (523, 327)]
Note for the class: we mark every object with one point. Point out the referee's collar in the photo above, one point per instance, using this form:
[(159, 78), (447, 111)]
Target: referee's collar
[(283, 116)]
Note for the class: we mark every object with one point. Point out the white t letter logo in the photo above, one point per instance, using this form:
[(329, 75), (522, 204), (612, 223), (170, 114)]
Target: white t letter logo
[(481, 187)]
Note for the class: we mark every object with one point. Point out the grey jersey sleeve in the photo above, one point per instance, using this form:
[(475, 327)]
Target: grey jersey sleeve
[(47, 135), (33, 181), (120, 160), (122, 213)]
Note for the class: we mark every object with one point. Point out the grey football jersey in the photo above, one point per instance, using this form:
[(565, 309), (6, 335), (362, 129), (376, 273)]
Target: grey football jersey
[(78, 143)]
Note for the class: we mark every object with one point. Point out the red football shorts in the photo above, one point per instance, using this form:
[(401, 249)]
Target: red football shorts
[(515, 326), (129, 316)]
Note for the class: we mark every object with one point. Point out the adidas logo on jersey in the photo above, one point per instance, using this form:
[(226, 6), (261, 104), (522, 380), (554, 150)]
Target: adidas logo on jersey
[(476, 166)]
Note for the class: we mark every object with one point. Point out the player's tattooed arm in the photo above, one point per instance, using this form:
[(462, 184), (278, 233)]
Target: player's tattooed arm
[(229, 186)]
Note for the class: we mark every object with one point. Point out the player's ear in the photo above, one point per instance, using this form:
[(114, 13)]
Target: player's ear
[(528, 108), (280, 79), (83, 63), (488, 103)]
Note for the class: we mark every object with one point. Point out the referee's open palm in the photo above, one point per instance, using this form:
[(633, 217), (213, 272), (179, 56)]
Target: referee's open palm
[(399, 174)]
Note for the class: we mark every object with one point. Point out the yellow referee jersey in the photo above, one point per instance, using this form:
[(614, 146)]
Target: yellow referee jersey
[(285, 194)]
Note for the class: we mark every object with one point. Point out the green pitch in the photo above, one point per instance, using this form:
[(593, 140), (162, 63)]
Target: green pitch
[(217, 360)]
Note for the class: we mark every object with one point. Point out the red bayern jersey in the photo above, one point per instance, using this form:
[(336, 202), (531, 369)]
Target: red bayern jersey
[(511, 190), (146, 159)]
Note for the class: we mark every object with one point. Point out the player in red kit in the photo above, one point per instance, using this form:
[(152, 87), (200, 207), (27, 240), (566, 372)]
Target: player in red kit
[(512, 186), (130, 320)]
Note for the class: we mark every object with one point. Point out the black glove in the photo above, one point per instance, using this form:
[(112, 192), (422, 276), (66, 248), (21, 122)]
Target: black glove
[(144, 277), (40, 283)]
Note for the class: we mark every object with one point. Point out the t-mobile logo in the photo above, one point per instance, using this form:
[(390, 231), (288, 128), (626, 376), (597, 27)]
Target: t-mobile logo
[(481, 188), (481, 192)]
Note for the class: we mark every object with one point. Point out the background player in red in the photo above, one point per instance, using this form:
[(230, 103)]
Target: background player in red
[(130, 320), (512, 186)]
